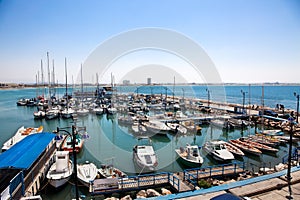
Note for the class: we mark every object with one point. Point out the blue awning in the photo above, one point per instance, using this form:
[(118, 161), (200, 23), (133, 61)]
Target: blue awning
[(23, 154)]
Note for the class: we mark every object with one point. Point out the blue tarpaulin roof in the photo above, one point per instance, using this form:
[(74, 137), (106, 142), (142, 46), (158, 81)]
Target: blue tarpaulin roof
[(23, 154)]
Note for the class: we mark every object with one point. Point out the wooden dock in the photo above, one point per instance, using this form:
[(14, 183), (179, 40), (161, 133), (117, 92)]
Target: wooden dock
[(213, 171), (180, 181)]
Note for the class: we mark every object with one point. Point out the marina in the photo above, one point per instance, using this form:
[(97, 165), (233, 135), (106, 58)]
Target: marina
[(105, 136), (122, 100)]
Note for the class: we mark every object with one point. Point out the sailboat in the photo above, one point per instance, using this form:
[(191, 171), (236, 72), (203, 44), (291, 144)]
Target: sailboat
[(53, 112), (271, 132), (67, 112), (40, 113), (111, 110), (82, 111)]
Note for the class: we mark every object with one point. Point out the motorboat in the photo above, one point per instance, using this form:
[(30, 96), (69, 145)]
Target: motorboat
[(61, 170), (67, 113), (190, 155), (22, 102), (52, 113), (138, 128), (21, 133), (109, 171), (272, 141), (246, 147), (156, 127), (176, 128), (126, 120), (82, 112), (39, 114), (86, 172), (111, 110), (223, 124), (272, 132), (233, 149), (259, 146), (144, 155), (98, 110), (67, 145), (218, 150)]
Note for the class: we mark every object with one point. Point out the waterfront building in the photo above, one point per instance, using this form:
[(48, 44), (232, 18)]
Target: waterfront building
[(149, 81)]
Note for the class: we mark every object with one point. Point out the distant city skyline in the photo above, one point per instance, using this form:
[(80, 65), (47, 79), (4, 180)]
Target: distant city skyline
[(248, 41)]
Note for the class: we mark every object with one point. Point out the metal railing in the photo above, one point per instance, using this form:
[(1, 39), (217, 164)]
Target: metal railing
[(192, 175)]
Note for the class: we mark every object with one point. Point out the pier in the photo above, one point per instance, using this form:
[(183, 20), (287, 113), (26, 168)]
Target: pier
[(180, 181), (24, 166)]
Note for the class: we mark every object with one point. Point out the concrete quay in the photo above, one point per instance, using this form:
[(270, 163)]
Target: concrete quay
[(267, 187)]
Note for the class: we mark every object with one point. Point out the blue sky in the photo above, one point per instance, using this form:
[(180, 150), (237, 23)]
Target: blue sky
[(249, 41)]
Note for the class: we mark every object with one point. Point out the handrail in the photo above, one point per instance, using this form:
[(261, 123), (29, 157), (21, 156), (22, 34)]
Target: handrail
[(192, 174)]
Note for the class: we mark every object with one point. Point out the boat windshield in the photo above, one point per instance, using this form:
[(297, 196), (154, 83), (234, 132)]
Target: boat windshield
[(195, 152), (217, 147)]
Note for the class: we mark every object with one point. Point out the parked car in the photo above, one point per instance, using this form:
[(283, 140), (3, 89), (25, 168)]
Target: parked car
[(229, 196)]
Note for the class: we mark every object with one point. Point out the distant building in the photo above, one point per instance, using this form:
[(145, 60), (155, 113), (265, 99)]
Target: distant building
[(148, 81), (126, 82)]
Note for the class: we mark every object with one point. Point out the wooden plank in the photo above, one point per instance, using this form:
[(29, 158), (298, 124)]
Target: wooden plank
[(257, 188)]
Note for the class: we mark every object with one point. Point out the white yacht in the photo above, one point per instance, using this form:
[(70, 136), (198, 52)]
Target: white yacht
[(190, 155), (52, 113), (218, 150), (144, 155), (156, 126), (67, 113)]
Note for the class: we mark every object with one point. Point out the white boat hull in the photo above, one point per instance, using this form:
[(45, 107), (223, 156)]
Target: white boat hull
[(60, 182), (61, 170), (86, 173)]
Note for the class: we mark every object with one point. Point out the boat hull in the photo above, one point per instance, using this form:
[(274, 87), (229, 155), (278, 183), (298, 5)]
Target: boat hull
[(141, 166), (59, 182), (86, 173), (189, 163)]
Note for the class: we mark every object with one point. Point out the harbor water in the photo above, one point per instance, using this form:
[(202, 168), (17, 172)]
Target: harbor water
[(109, 142)]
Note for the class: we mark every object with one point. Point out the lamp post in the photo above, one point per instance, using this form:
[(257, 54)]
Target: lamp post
[(297, 96), (73, 135), (208, 97), (243, 93), (289, 177)]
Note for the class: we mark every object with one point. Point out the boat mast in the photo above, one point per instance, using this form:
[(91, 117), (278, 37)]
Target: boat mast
[(43, 81), (36, 85), (49, 82), (81, 87), (53, 78), (38, 78), (66, 83), (174, 98), (263, 106)]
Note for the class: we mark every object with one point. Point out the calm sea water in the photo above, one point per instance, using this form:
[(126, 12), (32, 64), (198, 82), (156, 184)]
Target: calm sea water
[(110, 142)]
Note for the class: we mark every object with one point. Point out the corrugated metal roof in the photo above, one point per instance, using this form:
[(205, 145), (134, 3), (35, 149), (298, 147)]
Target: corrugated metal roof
[(23, 154)]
